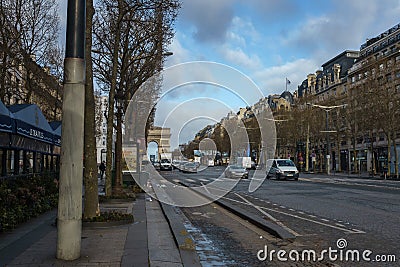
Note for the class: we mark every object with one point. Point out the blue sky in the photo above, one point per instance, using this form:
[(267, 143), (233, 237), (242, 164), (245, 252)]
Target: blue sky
[(268, 40)]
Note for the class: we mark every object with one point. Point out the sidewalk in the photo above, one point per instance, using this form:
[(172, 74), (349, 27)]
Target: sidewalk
[(148, 241), (363, 175)]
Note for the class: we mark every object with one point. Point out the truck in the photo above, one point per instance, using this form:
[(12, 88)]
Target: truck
[(245, 162)]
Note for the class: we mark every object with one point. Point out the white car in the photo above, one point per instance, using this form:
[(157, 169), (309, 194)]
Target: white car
[(190, 167), (282, 169), (165, 164), (236, 171)]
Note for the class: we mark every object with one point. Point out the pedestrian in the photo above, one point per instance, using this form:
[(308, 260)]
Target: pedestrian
[(102, 168)]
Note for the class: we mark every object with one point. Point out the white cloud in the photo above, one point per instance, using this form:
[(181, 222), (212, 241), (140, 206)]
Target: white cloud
[(238, 57), (244, 27), (272, 80), (180, 54), (186, 118), (343, 27)]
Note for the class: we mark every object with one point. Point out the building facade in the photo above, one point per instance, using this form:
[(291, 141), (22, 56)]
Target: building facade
[(367, 82)]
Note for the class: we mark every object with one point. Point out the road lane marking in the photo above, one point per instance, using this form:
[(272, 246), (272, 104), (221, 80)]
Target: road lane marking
[(336, 181), (325, 220), (205, 187), (190, 180), (269, 216), (351, 231)]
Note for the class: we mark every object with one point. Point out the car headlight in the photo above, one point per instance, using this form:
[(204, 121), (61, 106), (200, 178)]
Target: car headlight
[(296, 171), (279, 171)]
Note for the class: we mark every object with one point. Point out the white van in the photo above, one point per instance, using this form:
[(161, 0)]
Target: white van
[(282, 169)]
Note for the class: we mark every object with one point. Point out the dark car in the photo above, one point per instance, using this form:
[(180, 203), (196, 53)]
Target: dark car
[(236, 171)]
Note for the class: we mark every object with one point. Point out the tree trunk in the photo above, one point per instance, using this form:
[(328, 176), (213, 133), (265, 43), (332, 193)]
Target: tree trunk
[(111, 96), (389, 155), (307, 148), (373, 171), (396, 158), (117, 187), (355, 163), (338, 144), (90, 170)]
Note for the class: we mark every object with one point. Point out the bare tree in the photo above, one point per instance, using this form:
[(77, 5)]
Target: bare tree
[(29, 36), (129, 47)]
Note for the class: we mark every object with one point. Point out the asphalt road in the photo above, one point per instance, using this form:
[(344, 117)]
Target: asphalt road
[(362, 213)]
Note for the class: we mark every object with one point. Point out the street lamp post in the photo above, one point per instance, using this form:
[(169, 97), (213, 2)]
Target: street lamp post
[(327, 109)]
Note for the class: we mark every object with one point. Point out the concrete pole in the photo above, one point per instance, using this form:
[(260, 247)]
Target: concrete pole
[(69, 223)]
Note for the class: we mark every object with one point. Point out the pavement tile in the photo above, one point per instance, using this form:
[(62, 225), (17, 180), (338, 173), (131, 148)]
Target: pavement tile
[(165, 264), (134, 245)]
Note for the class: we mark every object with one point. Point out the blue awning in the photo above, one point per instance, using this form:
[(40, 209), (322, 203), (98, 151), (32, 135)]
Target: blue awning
[(5, 119), (30, 122), (56, 126)]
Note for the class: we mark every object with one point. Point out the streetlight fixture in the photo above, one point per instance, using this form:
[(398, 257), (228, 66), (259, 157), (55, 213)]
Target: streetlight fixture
[(327, 109)]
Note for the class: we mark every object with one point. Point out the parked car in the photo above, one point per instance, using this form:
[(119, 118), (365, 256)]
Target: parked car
[(156, 164), (189, 167), (165, 165), (181, 165), (282, 169), (236, 171)]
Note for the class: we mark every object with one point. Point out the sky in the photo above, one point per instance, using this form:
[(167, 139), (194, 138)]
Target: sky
[(267, 41)]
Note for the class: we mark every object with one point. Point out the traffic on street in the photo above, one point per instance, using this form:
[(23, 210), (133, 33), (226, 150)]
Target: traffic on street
[(317, 210)]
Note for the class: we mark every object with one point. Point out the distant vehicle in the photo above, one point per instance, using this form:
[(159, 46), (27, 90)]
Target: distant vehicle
[(282, 169), (236, 171), (156, 164), (181, 165), (253, 165), (189, 167), (145, 162), (165, 165), (175, 164), (210, 162), (245, 162)]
